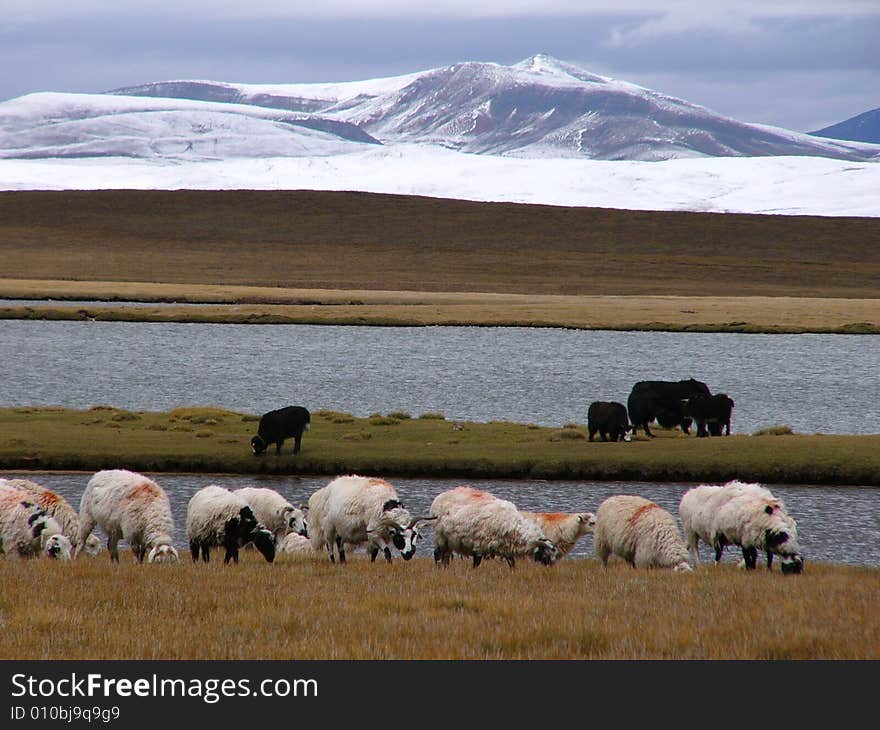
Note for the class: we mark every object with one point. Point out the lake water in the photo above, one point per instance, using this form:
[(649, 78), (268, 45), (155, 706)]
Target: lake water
[(835, 524), (812, 383)]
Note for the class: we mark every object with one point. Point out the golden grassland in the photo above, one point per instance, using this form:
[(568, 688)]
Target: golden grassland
[(357, 258), (306, 608), (264, 305), (211, 440)]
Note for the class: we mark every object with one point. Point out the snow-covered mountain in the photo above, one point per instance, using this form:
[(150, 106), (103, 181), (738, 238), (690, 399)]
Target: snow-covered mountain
[(541, 107), (540, 131), (863, 127)]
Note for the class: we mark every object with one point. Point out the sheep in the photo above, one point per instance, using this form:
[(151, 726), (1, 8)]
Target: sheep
[(277, 514), (477, 524), (564, 529), (27, 530), (296, 544), (641, 532), (357, 510), (216, 517), (128, 506), (743, 514), (58, 507)]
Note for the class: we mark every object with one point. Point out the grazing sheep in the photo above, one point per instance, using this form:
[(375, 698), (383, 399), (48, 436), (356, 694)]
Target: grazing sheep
[(743, 514), (131, 507), (26, 530), (475, 523), (277, 514), (564, 529), (216, 517), (355, 510), (641, 532), (58, 507)]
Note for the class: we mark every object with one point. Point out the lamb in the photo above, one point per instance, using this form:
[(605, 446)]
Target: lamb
[(747, 515), (564, 529), (26, 530), (277, 514), (357, 510), (476, 523), (296, 544), (641, 532), (128, 506), (216, 517), (56, 506)]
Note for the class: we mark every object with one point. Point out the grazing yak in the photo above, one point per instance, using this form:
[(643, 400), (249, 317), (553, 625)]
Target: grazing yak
[(275, 426), (609, 420), (711, 413), (662, 400)]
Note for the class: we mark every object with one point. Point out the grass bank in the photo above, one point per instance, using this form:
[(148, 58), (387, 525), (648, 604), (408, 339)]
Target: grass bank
[(574, 610), (209, 440), (282, 305)]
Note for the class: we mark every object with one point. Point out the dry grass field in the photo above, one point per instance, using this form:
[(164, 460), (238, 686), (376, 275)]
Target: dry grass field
[(309, 609), (395, 259)]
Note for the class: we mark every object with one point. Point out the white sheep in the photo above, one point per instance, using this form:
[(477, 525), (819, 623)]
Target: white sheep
[(26, 530), (216, 517), (641, 532), (278, 515), (477, 524), (58, 507), (743, 514), (128, 506), (298, 545), (356, 510), (564, 529)]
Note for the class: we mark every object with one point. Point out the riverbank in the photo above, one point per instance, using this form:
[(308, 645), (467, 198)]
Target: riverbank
[(112, 301), (208, 440)]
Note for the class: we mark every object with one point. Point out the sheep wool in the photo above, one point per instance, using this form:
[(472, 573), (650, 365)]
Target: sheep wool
[(564, 529), (58, 507), (474, 523), (640, 532), (273, 510), (216, 517), (356, 510), (128, 506), (26, 530)]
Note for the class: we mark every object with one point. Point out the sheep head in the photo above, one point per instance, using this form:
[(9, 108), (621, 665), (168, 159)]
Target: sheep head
[(58, 547), (163, 553), (545, 552)]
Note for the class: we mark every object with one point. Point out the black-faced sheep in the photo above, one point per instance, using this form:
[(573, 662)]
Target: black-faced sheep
[(26, 530), (131, 507), (355, 510), (477, 524), (58, 507), (216, 517), (641, 532), (742, 514), (277, 514), (564, 529)]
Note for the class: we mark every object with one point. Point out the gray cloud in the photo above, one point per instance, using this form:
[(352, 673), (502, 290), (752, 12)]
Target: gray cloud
[(790, 71)]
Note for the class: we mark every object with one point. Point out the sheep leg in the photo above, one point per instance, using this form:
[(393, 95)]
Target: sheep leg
[(769, 561), (297, 442), (719, 548), (86, 525), (139, 551), (340, 548), (374, 552), (278, 446), (511, 562), (112, 541), (194, 550), (205, 552), (750, 555), (387, 555), (231, 554), (477, 559)]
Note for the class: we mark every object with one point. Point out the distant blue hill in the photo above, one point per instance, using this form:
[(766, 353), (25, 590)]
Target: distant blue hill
[(862, 128)]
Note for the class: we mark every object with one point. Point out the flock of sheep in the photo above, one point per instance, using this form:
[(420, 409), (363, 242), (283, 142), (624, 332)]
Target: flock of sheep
[(353, 511)]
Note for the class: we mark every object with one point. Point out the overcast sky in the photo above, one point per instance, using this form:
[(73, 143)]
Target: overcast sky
[(800, 64)]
